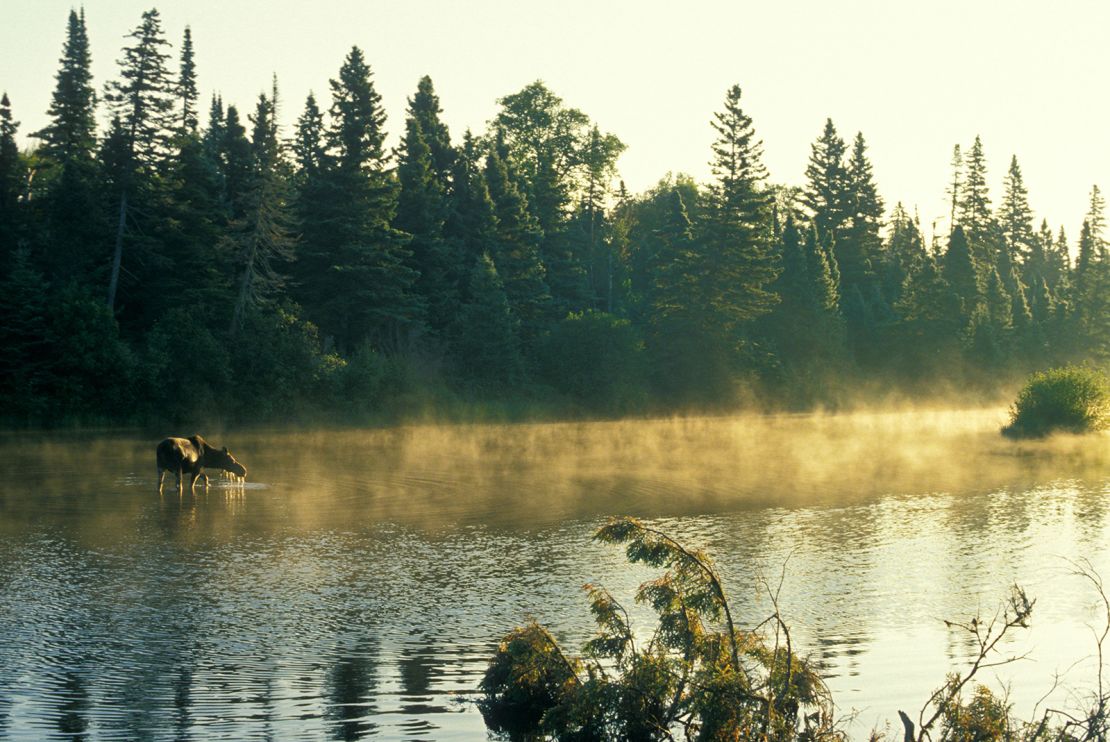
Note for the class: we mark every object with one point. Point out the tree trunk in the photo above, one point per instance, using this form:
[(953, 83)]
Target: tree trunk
[(117, 257)]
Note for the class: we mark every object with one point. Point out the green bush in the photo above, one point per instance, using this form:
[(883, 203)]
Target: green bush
[(595, 359), (1072, 399)]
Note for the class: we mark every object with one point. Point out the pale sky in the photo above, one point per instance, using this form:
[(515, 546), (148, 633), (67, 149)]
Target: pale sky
[(1030, 77)]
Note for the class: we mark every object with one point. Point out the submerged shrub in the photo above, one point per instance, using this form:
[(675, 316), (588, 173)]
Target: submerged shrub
[(1072, 399)]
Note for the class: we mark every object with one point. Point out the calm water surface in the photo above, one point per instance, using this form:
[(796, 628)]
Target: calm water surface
[(358, 584)]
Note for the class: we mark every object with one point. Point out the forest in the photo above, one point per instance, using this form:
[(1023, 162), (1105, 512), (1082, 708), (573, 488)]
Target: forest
[(177, 261)]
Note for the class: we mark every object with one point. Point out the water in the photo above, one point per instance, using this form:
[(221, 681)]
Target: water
[(356, 587)]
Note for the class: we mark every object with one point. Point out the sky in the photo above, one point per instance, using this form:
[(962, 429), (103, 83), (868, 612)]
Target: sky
[(915, 77)]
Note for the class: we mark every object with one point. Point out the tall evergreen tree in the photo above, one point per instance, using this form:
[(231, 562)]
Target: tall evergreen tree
[(954, 191), (826, 194), (71, 134), (961, 271), (142, 101), (12, 178), (485, 345), (424, 108), (354, 268), (309, 149), (974, 203), (422, 212), (517, 255), (740, 263), (264, 234), (187, 85)]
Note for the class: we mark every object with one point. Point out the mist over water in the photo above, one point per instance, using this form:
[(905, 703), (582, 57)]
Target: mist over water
[(356, 586)]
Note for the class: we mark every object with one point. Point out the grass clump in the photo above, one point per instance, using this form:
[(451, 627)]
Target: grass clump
[(1073, 399)]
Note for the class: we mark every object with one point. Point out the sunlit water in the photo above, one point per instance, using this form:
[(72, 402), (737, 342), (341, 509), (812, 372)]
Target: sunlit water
[(357, 585)]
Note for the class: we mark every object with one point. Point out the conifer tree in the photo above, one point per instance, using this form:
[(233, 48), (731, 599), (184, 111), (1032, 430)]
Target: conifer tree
[(73, 223), (1096, 221), (71, 134), (142, 101), (471, 222), (954, 190), (264, 234), (905, 250), (354, 268), (826, 194), (12, 178), (187, 85), (143, 96), (517, 255), (485, 344), (961, 271), (975, 204), (738, 231), (309, 150), (424, 108), (422, 212), (236, 162), (1015, 216)]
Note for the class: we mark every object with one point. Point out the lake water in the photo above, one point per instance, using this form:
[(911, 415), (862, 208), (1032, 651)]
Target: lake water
[(357, 585)]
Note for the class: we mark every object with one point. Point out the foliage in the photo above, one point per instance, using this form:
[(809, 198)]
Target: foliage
[(1072, 399), (597, 360), (697, 674)]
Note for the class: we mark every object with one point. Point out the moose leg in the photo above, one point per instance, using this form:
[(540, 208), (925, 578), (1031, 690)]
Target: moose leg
[(179, 478), (161, 478)]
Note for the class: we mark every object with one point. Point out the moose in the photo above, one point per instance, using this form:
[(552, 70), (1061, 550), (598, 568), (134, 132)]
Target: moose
[(190, 456)]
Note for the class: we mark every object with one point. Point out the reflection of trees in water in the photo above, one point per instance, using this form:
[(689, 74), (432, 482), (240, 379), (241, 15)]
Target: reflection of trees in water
[(349, 689), (182, 702), (420, 665), (73, 706)]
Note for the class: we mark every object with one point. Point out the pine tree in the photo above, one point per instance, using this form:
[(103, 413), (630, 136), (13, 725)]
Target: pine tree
[(309, 149), (422, 212), (1096, 220), (143, 96), (13, 178), (740, 264), (73, 222), (236, 163), (264, 235), (71, 134), (187, 85), (424, 108), (142, 101), (826, 194), (961, 271), (955, 188), (975, 204), (517, 255), (1015, 216), (355, 277), (905, 250), (471, 223), (485, 345)]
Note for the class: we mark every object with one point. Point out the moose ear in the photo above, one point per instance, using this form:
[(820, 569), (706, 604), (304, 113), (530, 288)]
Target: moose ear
[(226, 451)]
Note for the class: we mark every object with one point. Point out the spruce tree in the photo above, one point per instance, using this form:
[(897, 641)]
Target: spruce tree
[(355, 278), (471, 222), (1015, 216), (71, 134), (517, 254), (485, 346), (974, 203), (142, 101), (827, 194), (738, 226), (961, 271), (13, 178), (424, 108), (954, 191), (187, 85), (309, 149), (264, 235), (143, 96), (422, 212), (70, 205)]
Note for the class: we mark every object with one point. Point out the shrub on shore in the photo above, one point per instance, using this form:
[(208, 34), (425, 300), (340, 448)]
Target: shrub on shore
[(1072, 399)]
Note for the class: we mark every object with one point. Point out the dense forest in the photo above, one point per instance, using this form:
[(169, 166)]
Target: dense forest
[(177, 262)]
